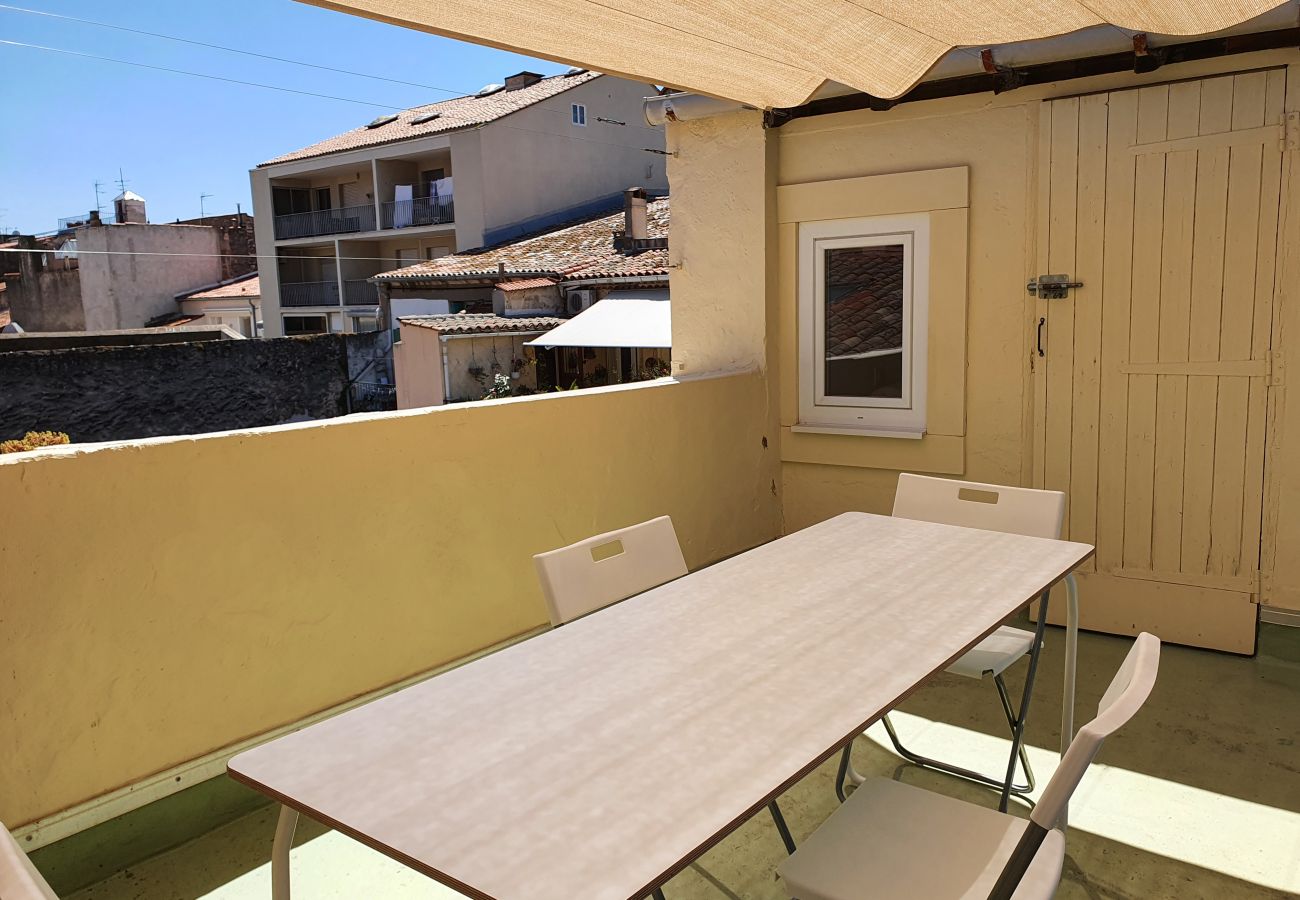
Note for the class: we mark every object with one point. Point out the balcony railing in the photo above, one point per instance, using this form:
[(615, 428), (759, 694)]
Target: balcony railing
[(346, 220), (359, 292), (439, 210), (310, 293)]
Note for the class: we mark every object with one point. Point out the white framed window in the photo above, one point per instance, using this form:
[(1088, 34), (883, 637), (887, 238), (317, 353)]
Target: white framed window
[(579, 112), (863, 298)]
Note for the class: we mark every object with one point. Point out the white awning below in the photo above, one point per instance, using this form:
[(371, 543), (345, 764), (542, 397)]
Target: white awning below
[(621, 319)]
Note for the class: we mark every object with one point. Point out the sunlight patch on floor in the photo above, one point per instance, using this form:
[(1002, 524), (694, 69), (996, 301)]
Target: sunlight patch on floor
[(334, 865), (1246, 840)]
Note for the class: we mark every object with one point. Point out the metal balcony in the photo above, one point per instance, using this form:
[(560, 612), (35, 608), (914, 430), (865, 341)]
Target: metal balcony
[(345, 220), (359, 292), (440, 210), (310, 293)]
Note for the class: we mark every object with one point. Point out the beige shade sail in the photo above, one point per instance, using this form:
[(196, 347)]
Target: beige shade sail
[(777, 53)]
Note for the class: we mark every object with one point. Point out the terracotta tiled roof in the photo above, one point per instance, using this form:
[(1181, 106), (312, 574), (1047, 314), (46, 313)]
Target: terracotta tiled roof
[(243, 287), (525, 284), (865, 307), (482, 323), (451, 115), (581, 250)]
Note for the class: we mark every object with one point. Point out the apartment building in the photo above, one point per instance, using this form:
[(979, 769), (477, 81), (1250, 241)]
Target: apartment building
[(464, 173)]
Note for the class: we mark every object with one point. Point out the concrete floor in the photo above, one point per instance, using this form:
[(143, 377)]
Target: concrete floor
[(1197, 799)]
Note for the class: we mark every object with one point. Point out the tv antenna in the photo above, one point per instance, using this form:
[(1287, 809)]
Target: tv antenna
[(202, 199)]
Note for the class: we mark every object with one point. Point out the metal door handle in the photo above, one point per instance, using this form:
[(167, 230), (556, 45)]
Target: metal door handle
[(1041, 323)]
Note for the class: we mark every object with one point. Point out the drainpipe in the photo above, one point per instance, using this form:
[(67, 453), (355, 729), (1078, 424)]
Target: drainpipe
[(446, 371), (686, 107)]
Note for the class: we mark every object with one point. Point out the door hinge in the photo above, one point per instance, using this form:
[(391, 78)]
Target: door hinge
[(1264, 586), (1051, 287), (1276, 368), (1291, 131)]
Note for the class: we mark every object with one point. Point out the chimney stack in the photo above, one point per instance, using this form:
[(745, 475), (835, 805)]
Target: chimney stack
[(634, 214), (128, 206), (521, 80), (94, 219)]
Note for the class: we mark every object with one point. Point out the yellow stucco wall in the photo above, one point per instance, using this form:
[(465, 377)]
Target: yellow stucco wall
[(997, 139), (150, 617), (994, 144), (721, 242)]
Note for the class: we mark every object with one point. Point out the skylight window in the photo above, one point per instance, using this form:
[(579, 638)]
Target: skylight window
[(489, 89), (382, 120), (426, 117)]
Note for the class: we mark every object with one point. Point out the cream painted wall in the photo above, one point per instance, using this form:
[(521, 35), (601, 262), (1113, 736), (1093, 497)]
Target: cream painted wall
[(721, 242), (417, 368), (268, 269), (538, 162), (130, 653), (126, 279), (1281, 531), (463, 353)]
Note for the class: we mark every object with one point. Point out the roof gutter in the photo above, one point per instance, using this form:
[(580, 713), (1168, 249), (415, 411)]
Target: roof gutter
[(1141, 60), (686, 107), (471, 279), (616, 279)]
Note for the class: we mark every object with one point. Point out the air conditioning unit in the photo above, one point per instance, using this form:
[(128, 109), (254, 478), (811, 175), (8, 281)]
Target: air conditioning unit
[(579, 301)]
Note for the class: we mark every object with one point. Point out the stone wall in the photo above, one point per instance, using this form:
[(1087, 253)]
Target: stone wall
[(116, 393)]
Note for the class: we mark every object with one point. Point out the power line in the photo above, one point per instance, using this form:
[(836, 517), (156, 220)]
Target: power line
[(273, 87), (172, 37), (281, 59), (127, 62)]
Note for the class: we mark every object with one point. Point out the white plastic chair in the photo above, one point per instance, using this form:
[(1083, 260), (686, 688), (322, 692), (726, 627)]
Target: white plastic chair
[(893, 841), (19, 879), (591, 574), (594, 573), (992, 507)]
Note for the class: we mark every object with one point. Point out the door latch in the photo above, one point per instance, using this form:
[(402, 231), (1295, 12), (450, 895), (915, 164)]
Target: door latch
[(1052, 287)]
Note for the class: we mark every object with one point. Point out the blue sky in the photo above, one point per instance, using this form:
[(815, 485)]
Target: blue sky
[(70, 121)]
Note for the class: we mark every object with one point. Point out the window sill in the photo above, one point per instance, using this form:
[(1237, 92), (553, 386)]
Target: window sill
[(858, 432)]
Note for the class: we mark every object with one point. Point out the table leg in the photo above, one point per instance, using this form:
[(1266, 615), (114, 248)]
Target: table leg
[(1071, 663), (284, 829)]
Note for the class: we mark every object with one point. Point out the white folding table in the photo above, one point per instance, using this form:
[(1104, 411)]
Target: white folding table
[(597, 760)]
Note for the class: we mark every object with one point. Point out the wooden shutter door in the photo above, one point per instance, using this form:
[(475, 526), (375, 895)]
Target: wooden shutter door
[(1150, 396)]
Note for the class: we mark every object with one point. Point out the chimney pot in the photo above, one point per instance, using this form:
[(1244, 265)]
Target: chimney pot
[(634, 214)]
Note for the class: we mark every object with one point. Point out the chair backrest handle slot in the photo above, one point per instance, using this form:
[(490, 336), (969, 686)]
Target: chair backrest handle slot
[(607, 551), (971, 495)]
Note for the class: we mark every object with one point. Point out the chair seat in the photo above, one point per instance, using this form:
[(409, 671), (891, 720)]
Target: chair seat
[(995, 653), (892, 841)]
